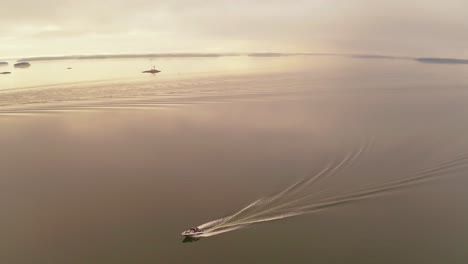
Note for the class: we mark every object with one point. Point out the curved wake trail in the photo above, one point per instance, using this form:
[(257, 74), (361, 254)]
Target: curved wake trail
[(300, 198)]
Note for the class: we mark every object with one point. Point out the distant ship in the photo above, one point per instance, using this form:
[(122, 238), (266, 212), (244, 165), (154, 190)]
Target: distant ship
[(153, 71)]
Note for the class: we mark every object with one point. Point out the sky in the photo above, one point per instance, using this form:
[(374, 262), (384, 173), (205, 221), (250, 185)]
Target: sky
[(419, 28)]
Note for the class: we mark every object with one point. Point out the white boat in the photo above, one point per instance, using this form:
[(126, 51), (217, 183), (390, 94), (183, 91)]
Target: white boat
[(192, 232)]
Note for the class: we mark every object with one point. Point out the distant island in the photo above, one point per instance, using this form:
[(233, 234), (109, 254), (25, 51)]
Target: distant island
[(442, 60), (5, 72), (3, 63), (153, 70), (22, 65)]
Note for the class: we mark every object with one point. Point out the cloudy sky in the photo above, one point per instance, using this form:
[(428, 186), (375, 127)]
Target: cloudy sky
[(392, 27)]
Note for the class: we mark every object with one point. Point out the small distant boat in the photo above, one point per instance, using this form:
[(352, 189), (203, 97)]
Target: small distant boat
[(153, 71), (193, 232)]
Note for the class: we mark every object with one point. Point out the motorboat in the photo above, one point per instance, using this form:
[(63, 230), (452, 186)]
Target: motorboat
[(193, 232)]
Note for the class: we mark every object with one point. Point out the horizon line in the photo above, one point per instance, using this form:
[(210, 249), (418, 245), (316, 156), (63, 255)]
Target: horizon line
[(437, 60)]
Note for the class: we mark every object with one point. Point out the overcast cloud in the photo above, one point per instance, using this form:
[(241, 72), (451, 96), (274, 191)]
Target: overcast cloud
[(398, 27)]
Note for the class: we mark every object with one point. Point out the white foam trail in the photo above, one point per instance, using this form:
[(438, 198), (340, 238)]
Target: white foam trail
[(298, 199)]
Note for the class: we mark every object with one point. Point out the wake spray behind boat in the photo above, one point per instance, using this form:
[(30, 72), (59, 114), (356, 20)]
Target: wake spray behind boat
[(302, 197)]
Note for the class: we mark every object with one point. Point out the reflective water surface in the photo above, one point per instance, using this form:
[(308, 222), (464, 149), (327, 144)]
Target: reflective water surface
[(116, 180), (85, 71)]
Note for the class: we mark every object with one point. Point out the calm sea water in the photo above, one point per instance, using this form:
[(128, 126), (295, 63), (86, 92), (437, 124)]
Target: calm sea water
[(46, 73), (116, 180)]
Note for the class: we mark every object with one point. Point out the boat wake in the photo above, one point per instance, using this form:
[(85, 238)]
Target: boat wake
[(303, 197)]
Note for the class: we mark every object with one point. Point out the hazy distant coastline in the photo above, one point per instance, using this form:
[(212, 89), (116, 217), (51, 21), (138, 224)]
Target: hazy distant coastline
[(442, 60), (162, 55), (254, 54), (129, 56), (185, 55)]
